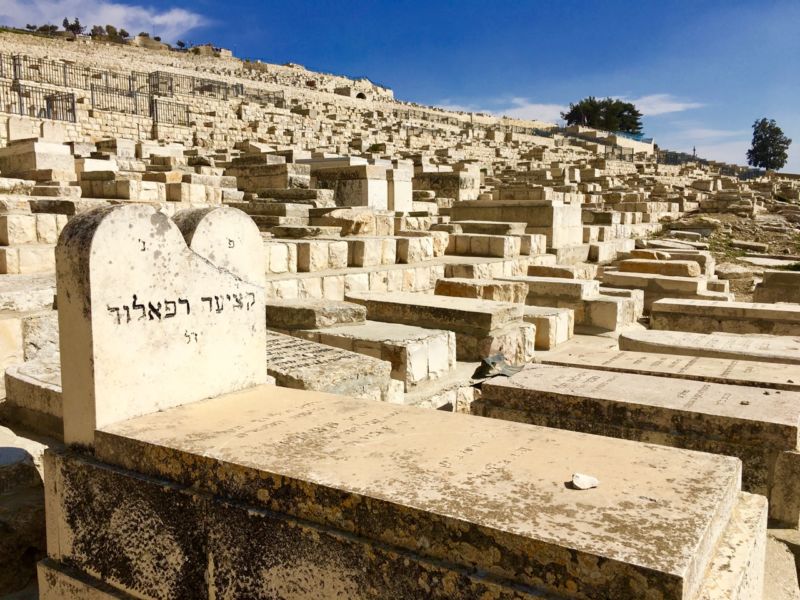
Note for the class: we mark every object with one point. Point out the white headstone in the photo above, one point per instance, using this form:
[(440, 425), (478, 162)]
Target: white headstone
[(146, 322), (228, 238)]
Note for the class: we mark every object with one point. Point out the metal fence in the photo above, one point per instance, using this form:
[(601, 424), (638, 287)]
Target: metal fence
[(39, 103), (169, 113), (54, 72), (106, 98), (163, 83)]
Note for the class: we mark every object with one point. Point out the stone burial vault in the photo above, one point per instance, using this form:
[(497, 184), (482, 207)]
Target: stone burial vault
[(186, 476)]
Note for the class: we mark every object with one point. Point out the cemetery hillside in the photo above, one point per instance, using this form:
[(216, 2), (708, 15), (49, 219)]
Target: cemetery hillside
[(268, 332)]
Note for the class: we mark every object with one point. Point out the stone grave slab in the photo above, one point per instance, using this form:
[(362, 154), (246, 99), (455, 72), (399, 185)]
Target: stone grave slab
[(306, 365), (738, 346), (707, 316), (759, 428), (312, 314), (482, 327), (714, 370), (169, 335), (438, 511), (203, 482), (417, 355)]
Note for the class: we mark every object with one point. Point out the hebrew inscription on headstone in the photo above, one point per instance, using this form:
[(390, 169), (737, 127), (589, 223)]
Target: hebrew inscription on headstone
[(146, 322)]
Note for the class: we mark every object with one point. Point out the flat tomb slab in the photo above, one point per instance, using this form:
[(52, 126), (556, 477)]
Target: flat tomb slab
[(311, 313), (306, 365), (417, 355), (33, 396), (452, 487), (749, 347), (707, 316), (714, 370), (738, 421), (470, 316)]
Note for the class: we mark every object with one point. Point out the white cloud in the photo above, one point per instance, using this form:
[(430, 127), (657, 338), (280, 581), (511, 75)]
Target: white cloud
[(516, 108), (660, 104), (169, 23), (702, 133), (522, 108), (456, 107)]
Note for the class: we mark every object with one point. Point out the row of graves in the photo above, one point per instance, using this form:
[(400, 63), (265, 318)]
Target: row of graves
[(220, 368)]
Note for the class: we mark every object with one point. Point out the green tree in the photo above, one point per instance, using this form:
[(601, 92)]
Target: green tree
[(123, 33), (98, 31), (770, 146), (609, 114), (75, 28), (180, 44), (30, 27), (111, 31)]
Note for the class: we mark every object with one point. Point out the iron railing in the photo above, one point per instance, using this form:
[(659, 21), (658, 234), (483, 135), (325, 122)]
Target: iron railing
[(163, 83), (35, 102), (169, 113), (135, 103), (263, 97), (60, 73)]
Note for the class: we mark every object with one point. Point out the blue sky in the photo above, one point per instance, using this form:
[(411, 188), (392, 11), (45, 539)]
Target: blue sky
[(701, 71)]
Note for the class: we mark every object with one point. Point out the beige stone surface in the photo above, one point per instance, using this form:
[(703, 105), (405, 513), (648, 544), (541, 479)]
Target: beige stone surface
[(672, 545), (157, 341), (707, 316), (747, 347), (717, 370), (487, 289), (673, 268)]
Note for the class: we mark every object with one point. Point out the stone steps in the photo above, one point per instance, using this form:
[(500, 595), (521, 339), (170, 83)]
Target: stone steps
[(591, 309), (658, 287), (477, 244)]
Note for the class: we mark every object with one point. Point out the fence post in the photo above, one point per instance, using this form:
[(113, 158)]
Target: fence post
[(16, 66)]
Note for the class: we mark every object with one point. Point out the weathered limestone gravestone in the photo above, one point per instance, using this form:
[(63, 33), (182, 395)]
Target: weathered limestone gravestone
[(204, 484), (179, 329)]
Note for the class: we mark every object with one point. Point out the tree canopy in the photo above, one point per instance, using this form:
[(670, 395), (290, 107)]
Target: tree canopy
[(610, 114), (75, 28), (769, 149)]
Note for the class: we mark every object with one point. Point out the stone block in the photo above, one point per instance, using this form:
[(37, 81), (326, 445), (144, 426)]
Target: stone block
[(554, 326), (487, 289), (673, 268), (706, 316), (709, 417), (312, 314), (170, 315), (17, 229), (699, 518)]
